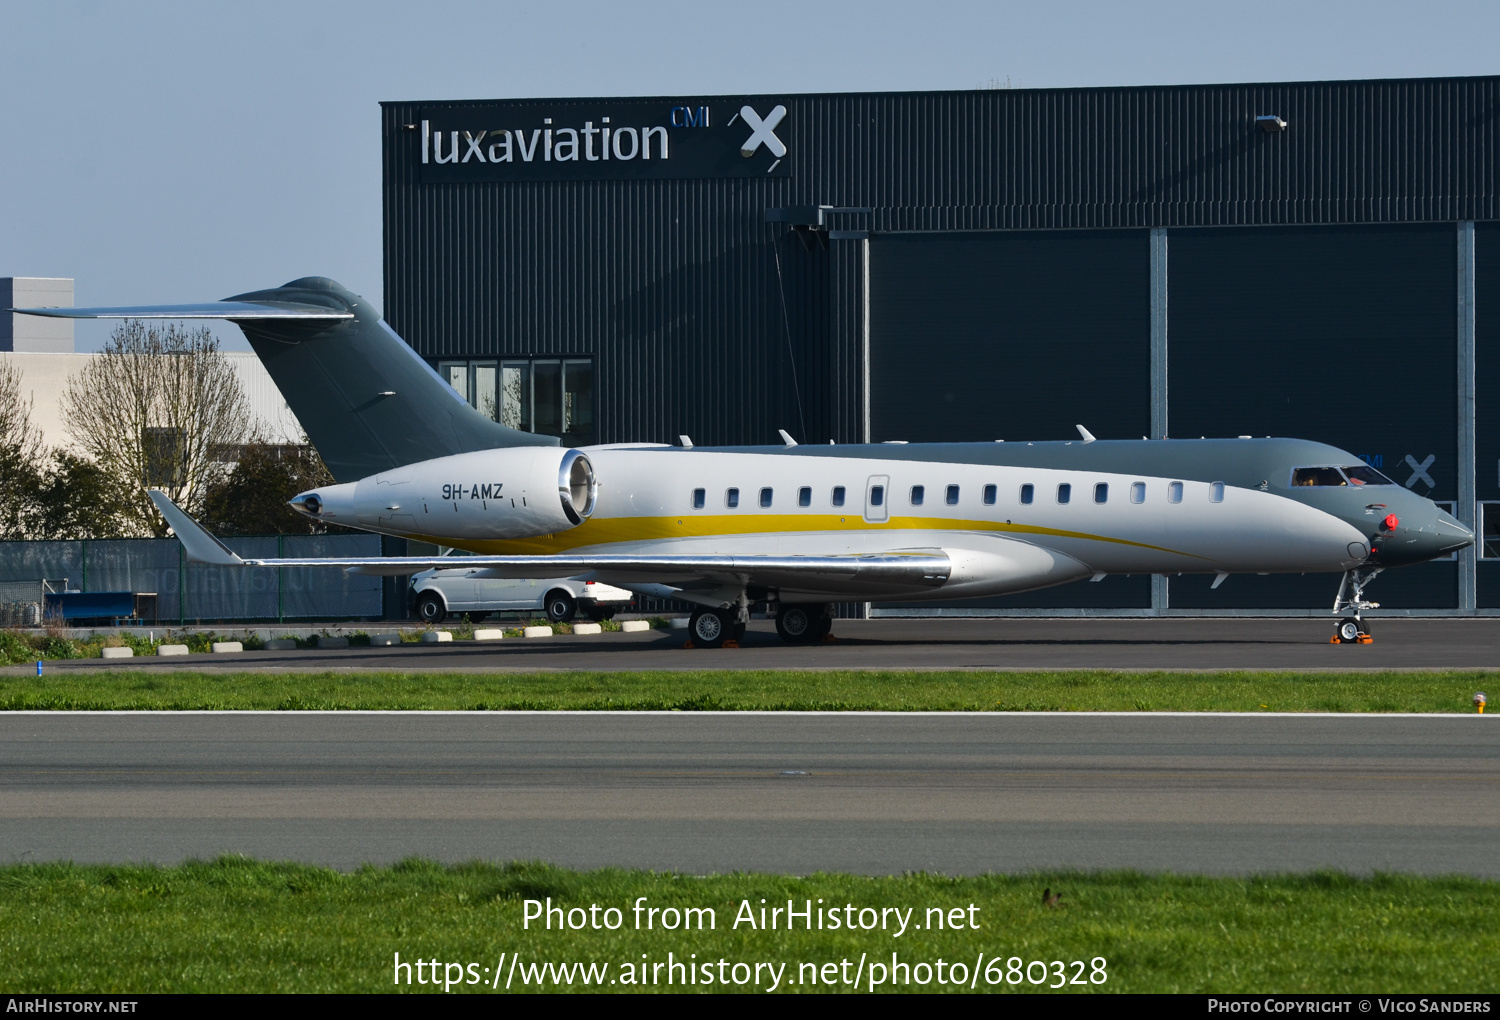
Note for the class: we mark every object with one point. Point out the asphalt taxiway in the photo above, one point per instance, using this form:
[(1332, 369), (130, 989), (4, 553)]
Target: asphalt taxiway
[(1176, 643), (783, 792)]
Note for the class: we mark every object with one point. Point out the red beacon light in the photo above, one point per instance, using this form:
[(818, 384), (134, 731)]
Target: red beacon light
[(1391, 520)]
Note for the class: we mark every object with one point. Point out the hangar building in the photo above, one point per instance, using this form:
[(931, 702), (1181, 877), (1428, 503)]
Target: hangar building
[(1316, 259)]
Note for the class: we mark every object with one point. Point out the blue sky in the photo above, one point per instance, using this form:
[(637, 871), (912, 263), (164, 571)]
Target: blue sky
[(162, 152)]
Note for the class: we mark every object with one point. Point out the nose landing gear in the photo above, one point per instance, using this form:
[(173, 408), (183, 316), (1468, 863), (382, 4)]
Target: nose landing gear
[(1352, 630)]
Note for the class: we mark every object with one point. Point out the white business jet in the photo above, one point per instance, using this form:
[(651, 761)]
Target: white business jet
[(793, 527)]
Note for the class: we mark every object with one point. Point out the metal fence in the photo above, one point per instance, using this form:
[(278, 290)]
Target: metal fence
[(190, 592)]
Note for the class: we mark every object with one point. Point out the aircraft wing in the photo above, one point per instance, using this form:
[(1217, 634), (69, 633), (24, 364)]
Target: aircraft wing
[(902, 569), (238, 310)]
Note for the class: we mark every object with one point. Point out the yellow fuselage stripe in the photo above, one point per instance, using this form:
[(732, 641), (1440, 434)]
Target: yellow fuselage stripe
[(608, 531)]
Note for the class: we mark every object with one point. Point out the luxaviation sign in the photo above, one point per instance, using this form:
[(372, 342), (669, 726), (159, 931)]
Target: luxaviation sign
[(602, 139)]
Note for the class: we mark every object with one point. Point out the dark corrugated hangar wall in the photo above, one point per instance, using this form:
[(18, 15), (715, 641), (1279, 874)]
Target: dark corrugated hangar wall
[(672, 285)]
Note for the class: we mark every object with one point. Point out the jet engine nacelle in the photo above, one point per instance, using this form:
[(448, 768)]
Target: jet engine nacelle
[(517, 492)]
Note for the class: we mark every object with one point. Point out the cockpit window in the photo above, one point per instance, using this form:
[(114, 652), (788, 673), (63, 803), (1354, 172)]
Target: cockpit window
[(1364, 474), (1318, 476)]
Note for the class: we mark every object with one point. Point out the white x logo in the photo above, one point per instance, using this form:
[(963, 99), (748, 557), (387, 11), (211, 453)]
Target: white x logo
[(1419, 471), (762, 132), (474, 146)]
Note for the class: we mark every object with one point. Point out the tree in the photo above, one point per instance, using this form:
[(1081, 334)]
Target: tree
[(76, 498), (21, 457), (252, 499), (159, 408)]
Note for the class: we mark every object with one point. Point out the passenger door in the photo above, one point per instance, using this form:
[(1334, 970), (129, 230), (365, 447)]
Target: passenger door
[(878, 499)]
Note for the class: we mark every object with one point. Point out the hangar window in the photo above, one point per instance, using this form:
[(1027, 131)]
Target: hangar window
[(765, 498), (804, 496), (1174, 492), (1138, 492), (700, 497), (989, 495), (553, 396), (731, 498), (1101, 492), (1216, 492), (918, 493), (1028, 492), (951, 498), (1064, 492), (838, 495)]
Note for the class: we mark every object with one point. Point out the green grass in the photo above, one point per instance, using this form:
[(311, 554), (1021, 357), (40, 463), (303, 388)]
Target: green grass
[(832, 690), (239, 925)]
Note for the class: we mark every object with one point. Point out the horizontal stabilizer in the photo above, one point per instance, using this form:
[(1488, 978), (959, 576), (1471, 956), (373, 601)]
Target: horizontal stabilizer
[(207, 310)]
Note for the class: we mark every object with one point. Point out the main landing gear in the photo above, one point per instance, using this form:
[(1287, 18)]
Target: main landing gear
[(1352, 629), (798, 623)]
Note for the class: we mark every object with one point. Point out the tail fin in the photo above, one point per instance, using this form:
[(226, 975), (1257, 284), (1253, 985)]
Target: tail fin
[(369, 403)]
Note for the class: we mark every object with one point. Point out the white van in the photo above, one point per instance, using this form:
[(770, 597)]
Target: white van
[(438, 593)]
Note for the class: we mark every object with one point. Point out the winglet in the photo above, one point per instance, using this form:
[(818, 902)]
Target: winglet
[(1088, 437), (201, 547), (788, 440)]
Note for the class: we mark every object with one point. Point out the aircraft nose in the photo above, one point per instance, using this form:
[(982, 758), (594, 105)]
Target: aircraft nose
[(1422, 532), (1449, 533)]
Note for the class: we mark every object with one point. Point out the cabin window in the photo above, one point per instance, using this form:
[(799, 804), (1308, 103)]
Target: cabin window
[(951, 497), (1064, 492), (731, 498), (989, 495), (1028, 493), (918, 493), (838, 495), (1216, 492), (1174, 492), (1101, 492), (1138, 492), (700, 497), (765, 498), (877, 495), (804, 496)]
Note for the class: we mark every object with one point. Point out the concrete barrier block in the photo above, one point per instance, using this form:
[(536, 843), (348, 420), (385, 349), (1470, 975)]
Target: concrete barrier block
[(384, 640), (225, 647), (678, 622), (489, 634), (432, 637), (281, 644), (171, 649), (117, 653), (588, 628), (537, 632), (329, 641), (634, 626)]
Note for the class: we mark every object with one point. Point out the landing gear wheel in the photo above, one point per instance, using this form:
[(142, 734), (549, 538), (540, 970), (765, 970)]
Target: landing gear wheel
[(599, 614), (561, 607), (1352, 631), (798, 624), (710, 628), (430, 608), (803, 624)]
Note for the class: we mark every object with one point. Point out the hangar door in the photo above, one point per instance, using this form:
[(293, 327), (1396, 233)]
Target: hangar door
[(1342, 334), (1015, 335)]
